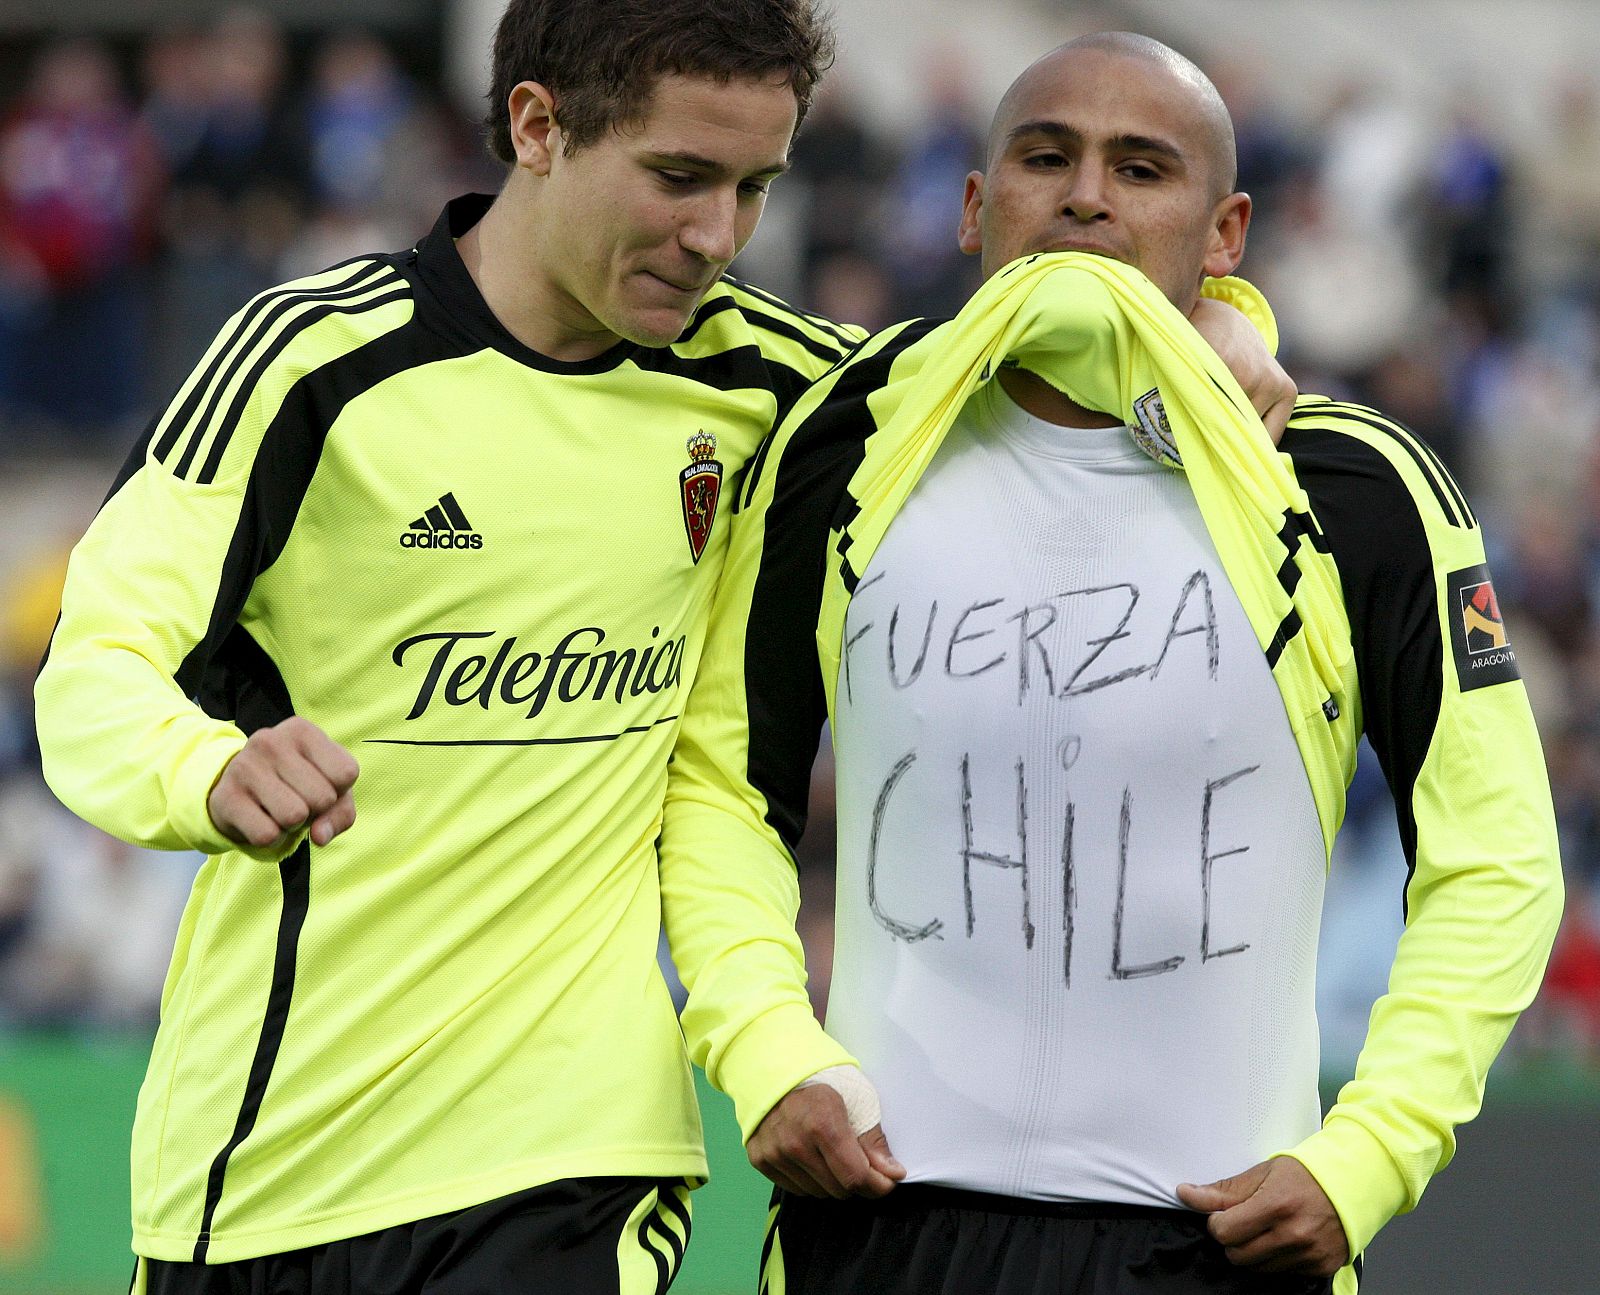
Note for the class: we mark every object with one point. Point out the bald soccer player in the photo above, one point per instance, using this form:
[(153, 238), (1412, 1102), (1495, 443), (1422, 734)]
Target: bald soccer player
[(1086, 803)]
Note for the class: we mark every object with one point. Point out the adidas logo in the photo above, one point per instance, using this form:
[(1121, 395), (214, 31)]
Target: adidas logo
[(444, 526)]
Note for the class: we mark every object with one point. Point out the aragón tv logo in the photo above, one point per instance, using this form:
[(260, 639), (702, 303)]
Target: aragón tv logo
[(484, 668)]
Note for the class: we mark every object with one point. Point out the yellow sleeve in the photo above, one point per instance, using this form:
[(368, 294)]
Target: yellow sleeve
[(736, 790), (1450, 721), (160, 578), (729, 886), (123, 746)]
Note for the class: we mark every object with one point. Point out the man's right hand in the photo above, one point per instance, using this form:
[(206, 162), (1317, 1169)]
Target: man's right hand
[(1241, 347), (805, 1146), (285, 778)]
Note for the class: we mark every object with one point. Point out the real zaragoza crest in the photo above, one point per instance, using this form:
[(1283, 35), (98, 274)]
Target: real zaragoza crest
[(701, 482)]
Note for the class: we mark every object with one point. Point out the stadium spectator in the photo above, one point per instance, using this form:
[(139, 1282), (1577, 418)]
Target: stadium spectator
[(360, 104), (841, 170), (240, 181), (78, 180), (253, 147), (176, 87), (1562, 201), (928, 275)]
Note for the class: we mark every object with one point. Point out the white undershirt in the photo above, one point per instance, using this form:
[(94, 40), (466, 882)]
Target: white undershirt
[(1048, 599)]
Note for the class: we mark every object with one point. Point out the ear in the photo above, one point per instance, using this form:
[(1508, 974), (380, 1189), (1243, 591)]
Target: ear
[(970, 235), (1225, 247), (535, 133)]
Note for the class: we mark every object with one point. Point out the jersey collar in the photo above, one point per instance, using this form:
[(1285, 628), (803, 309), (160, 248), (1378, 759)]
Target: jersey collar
[(462, 311)]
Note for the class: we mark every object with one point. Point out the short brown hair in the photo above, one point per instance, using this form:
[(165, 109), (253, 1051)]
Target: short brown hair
[(600, 59)]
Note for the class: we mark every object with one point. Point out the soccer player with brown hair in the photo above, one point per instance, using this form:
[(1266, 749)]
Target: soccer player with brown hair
[(435, 533)]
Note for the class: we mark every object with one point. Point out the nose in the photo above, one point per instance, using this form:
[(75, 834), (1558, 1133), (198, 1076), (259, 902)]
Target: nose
[(710, 229), (1087, 198)]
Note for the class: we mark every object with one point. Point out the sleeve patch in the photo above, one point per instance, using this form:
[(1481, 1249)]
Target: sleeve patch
[(1483, 652)]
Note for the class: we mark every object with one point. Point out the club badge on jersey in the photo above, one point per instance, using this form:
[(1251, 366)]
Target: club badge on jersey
[(1152, 433), (701, 483)]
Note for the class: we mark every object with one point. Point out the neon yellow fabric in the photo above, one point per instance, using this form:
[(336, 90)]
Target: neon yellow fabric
[(1485, 897), (476, 1004), (1103, 334)]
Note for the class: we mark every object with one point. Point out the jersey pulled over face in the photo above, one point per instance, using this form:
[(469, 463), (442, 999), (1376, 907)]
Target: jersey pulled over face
[(1080, 868), (1116, 155)]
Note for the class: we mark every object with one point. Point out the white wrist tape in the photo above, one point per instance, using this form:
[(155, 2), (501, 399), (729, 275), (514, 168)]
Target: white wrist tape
[(860, 1097)]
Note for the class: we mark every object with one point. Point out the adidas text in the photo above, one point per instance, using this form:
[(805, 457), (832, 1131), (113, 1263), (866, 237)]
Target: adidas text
[(440, 540)]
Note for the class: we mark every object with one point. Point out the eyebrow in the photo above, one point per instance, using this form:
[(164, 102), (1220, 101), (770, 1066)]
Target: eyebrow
[(694, 162), (1125, 143)]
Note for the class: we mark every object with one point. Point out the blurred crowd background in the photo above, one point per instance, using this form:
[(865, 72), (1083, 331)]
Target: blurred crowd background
[(1424, 256)]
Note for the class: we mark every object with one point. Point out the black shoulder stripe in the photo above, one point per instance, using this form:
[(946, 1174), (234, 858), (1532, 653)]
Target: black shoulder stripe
[(707, 310), (758, 460), (860, 376), (1452, 503), (1446, 504), (1400, 429), (740, 368), (364, 267), (281, 475), (865, 373), (225, 423), (816, 321), (266, 310), (780, 328), (208, 472), (810, 486), (1379, 544)]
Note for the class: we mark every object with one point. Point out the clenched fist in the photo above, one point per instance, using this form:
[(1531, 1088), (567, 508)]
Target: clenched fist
[(285, 778)]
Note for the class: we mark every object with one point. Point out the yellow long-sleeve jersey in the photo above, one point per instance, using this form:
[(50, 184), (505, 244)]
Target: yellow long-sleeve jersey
[(486, 574), (1360, 565)]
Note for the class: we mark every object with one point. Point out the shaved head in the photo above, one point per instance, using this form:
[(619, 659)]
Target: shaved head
[(1210, 114), (1116, 146)]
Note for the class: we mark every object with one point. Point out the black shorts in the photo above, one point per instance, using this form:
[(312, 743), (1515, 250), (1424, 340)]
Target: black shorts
[(579, 1236), (922, 1240)]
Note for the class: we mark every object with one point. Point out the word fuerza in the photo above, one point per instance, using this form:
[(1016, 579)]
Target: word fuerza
[(575, 668)]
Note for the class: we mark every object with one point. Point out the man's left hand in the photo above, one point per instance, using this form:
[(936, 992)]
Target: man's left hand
[(1275, 1217), (1238, 345), (805, 1145)]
